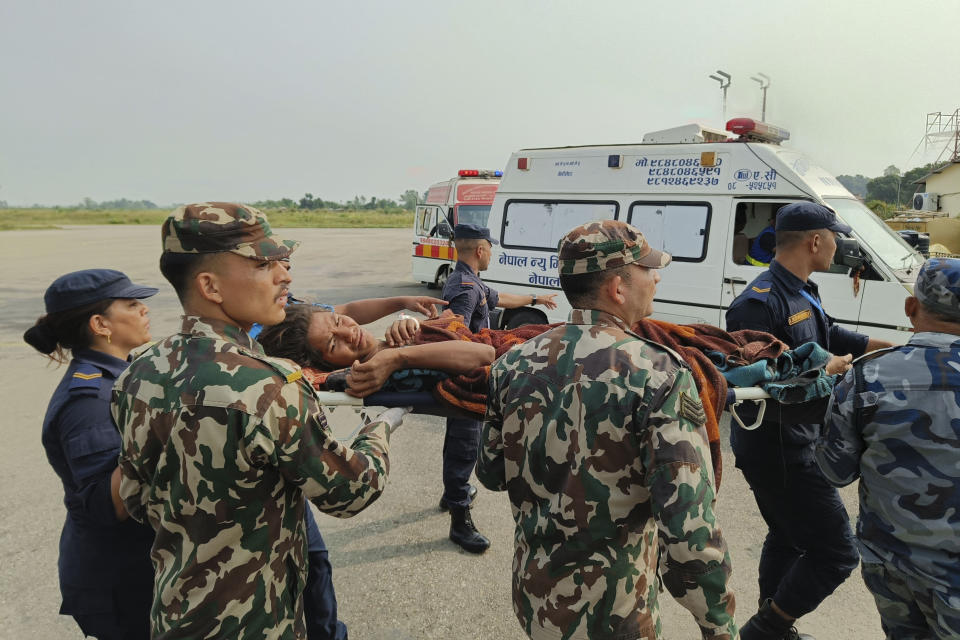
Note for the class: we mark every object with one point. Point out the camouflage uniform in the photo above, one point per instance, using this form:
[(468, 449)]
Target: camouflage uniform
[(599, 438), (899, 432), (221, 444)]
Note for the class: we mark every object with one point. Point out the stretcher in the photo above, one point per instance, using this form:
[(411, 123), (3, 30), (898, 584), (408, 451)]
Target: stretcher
[(423, 403)]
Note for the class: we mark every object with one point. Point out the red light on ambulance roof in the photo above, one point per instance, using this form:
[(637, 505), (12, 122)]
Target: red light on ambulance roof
[(523, 164), (751, 129), (468, 173)]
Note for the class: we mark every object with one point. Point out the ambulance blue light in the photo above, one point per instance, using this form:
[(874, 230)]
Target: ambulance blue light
[(498, 174)]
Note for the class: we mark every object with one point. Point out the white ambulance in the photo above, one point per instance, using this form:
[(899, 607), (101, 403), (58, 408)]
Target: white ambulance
[(701, 197), (465, 199)]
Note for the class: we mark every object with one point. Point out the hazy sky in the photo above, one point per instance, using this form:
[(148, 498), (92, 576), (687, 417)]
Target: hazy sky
[(213, 100)]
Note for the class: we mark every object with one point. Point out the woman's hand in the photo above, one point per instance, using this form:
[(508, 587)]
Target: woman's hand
[(402, 331), (423, 304), (368, 377)]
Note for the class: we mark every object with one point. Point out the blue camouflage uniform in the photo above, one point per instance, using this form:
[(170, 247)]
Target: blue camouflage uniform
[(106, 577), (898, 430), (809, 549)]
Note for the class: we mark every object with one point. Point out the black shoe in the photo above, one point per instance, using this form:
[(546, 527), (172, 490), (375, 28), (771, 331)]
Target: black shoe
[(767, 624), (471, 496), (464, 532)]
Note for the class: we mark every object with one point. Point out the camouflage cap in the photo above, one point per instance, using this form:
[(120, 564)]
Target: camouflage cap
[(938, 286), (215, 227), (606, 244)]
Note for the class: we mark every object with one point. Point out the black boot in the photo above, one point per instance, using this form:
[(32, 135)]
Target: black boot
[(471, 496), (767, 624), (463, 531)]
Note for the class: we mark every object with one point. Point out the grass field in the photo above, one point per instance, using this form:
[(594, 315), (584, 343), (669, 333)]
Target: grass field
[(56, 218)]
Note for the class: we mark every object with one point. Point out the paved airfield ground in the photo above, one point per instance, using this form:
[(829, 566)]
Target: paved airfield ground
[(396, 574)]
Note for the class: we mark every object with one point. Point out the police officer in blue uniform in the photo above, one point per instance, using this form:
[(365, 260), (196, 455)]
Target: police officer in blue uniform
[(809, 550), (469, 297), (106, 576)]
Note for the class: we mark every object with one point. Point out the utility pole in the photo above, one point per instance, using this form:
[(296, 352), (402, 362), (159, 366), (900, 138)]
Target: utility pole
[(724, 79), (764, 81)]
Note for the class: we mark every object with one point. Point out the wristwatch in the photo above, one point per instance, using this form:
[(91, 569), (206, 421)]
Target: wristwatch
[(533, 301)]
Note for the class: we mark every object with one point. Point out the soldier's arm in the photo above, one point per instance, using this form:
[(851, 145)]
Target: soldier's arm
[(696, 568), (840, 445), (339, 480), (490, 469), (133, 487)]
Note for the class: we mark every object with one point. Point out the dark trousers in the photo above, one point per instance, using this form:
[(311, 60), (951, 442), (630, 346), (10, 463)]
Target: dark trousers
[(319, 599), (809, 550), (460, 446), (129, 619)]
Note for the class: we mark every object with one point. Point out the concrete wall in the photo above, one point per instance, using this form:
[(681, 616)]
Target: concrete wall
[(947, 185)]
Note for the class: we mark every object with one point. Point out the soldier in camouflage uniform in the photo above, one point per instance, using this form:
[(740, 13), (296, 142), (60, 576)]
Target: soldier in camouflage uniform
[(598, 436), (221, 443), (894, 421)]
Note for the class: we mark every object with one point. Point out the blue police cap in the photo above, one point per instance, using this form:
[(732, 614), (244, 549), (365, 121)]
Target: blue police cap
[(91, 285), (805, 216), (938, 286), (472, 231)]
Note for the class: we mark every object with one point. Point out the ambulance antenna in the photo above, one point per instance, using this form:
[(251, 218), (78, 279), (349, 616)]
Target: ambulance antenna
[(764, 81), (724, 79)]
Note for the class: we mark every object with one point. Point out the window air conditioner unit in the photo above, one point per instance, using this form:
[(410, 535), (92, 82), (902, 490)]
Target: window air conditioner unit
[(926, 201)]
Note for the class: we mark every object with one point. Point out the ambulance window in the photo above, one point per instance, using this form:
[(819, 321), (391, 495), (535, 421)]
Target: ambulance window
[(473, 214), (540, 225), (425, 220), (679, 228)]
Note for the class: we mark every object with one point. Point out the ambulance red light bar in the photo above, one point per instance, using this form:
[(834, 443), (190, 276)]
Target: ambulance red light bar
[(750, 129), (479, 173)]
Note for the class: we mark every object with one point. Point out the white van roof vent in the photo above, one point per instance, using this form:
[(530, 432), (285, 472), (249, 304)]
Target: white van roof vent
[(685, 134)]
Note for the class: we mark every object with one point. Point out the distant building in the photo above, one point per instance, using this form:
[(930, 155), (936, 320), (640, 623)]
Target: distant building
[(943, 185)]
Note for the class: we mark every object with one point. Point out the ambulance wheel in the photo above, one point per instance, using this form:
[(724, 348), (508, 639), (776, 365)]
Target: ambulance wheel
[(525, 317), (442, 276)]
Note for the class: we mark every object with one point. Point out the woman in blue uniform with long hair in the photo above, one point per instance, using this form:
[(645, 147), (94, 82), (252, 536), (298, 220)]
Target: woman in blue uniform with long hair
[(106, 577)]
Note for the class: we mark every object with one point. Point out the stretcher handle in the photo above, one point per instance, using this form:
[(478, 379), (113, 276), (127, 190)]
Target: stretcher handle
[(749, 394)]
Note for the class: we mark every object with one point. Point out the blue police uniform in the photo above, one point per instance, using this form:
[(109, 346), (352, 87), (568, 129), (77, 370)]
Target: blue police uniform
[(470, 297), (106, 576), (809, 549), (319, 599)]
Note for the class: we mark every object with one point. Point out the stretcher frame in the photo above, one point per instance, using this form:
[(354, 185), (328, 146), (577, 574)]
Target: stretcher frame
[(423, 403)]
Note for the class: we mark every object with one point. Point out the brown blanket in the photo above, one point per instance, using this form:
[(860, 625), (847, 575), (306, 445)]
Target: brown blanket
[(468, 392)]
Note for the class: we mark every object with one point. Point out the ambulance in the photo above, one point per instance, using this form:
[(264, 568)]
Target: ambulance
[(702, 195), (465, 199)]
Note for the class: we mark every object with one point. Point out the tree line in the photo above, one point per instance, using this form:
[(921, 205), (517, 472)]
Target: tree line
[(889, 193), (407, 201)]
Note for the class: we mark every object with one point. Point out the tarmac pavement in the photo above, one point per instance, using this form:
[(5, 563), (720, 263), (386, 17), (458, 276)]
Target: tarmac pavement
[(397, 576)]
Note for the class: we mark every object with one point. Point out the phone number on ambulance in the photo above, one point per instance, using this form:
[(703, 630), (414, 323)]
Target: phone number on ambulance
[(685, 182), (685, 171)]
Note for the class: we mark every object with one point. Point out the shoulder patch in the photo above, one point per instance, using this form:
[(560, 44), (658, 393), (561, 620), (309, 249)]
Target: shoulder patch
[(691, 409), (287, 369), (466, 283), (800, 316), (86, 377), (757, 290)]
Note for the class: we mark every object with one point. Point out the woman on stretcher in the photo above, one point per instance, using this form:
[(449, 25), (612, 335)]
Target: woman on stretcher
[(327, 340)]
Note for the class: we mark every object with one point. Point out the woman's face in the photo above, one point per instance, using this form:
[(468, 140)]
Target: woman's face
[(339, 339), (129, 323)]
